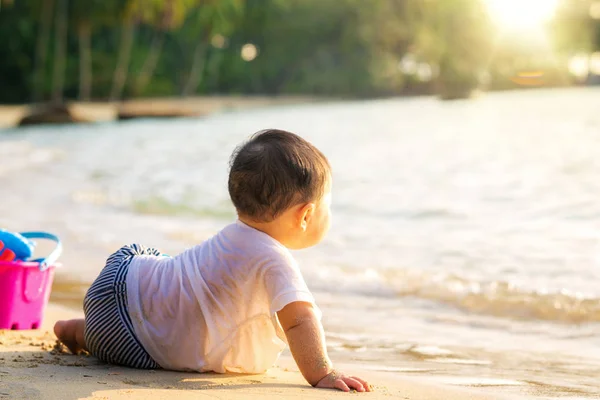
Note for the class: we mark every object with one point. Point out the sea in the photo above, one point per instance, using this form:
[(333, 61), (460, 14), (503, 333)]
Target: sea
[(465, 239)]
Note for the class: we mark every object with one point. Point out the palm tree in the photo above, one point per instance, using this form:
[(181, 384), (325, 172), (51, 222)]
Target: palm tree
[(164, 16), (215, 17), (83, 16), (128, 14), (45, 9), (60, 49)]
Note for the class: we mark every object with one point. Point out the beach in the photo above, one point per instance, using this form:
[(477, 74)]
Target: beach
[(33, 366), (462, 259)]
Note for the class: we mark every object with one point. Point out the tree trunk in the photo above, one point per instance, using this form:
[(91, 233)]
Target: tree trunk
[(85, 61), (60, 50), (197, 70), (150, 63), (120, 75), (214, 73), (41, 49)]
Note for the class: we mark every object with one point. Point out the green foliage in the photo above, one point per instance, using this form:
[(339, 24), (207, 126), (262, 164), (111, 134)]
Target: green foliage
[(325, 47), (573, 30)]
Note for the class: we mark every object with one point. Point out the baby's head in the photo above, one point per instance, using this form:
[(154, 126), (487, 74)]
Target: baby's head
[(281, 184)]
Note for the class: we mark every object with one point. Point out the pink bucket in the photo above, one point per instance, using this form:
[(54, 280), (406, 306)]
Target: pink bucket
[(25, 283), (24, 293)]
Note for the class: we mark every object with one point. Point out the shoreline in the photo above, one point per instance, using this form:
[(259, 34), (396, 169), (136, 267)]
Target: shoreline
[(33, 367), (200, 105), (462, 378)]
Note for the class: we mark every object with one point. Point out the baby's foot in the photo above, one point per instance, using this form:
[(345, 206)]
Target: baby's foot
[(66, 332)]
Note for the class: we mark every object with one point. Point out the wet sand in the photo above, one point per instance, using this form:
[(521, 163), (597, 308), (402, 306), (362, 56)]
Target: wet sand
[(34, 366)]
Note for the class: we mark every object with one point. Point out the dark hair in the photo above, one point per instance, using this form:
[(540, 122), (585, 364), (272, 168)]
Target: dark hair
[(274, 171)]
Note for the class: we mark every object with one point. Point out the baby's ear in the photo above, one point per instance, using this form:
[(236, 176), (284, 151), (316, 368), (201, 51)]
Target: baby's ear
[(307, 211)]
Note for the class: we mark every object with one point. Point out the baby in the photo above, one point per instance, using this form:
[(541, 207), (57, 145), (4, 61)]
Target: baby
[(229, 303)]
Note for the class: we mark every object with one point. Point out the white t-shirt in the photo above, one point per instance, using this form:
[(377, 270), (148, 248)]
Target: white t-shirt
[(213, 307)]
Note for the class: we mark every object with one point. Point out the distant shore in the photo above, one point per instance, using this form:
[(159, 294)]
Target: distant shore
[(202, 105)]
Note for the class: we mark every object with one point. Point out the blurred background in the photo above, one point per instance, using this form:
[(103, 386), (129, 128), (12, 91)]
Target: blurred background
[(465, 232), (121, 49)]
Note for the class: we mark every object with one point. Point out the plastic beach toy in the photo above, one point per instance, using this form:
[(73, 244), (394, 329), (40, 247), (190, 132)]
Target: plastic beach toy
[(6, 254), (25, 283)]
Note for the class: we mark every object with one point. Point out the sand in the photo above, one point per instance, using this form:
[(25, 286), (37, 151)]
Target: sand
[(34, 366)]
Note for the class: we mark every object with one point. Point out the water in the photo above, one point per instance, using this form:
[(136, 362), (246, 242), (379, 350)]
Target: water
[(464, 239)]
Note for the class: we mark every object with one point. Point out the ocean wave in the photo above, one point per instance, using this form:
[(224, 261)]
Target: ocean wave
[(495, 298), (18, 155), (161, 206), (152, 205)]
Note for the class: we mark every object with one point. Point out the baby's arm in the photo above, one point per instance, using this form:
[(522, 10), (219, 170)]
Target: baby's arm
[(306, 338)]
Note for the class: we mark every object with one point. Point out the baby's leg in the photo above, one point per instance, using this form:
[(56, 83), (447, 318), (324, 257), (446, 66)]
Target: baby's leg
[(70, 333)]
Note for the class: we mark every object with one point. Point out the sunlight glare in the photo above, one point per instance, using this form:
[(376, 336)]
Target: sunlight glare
[(579, 66), (521, 14), (595, 10)]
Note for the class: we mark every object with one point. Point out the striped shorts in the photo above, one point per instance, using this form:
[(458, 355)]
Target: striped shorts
[(108, 329)]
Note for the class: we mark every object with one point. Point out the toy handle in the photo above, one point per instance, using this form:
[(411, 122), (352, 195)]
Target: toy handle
[(53, 256)]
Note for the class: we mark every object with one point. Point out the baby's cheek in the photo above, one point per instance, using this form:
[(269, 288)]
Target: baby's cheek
[(327, 223)]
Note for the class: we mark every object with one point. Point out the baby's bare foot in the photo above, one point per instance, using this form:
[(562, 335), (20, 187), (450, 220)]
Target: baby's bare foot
[(66, 332)]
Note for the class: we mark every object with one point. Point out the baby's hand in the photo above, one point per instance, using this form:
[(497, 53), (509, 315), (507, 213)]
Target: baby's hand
[(337, 380)]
